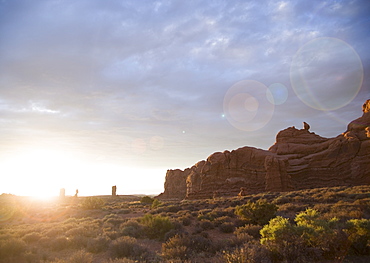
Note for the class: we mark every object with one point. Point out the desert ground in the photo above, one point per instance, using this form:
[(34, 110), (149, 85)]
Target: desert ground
[(314, 225)]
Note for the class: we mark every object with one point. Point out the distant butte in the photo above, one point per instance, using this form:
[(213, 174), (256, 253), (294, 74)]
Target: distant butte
[(299, 159)]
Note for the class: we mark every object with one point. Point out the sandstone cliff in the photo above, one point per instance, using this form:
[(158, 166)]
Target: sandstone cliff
[(299, 159)]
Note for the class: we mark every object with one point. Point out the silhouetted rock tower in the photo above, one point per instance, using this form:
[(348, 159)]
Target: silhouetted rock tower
[(62, 193), (114, 190)]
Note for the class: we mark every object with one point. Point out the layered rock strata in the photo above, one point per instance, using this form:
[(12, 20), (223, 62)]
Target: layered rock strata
[(299, 159)]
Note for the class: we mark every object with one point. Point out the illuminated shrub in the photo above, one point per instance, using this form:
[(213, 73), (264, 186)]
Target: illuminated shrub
[(156, 203), (92, 202), (146, 200), (176, 248), (258, 213), (358, 231), (251, 252), (156, 226), (309, 239)]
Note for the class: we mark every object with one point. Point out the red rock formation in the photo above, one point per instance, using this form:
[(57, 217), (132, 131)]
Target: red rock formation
[(298, 160)]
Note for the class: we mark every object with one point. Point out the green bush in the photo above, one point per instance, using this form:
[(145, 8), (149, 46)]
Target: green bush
[(92, 202), (156, 203), (309, 239), (358, 231), (156, 226), (257, 213), (146, 200)]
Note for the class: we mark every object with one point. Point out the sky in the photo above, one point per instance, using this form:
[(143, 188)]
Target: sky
[(99, 93)]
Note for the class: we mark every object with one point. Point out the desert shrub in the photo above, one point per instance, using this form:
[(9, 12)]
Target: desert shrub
[(126, 247), (251, 252), (56, 231), (120, 260), (132, 228), (184, 246), (206, 224), (112, 234), (220, 220), (282, 199), (156, 226), (12, 247), (98, 244), (258, 213), (124, 211), (77, 231), (174, 232), (31, 237), (156, 203), (146, 200), (44, 241), (205, 214), (358, 231), (310, 238), (81, 256), (321, 234), (59, 243), (92, 202), (226, 227), (185, 220), (176, 248), (281, 238), (252, 230), (78, 242), (115, 222)]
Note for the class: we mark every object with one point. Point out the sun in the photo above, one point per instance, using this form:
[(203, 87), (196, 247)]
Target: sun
[(40, 172)]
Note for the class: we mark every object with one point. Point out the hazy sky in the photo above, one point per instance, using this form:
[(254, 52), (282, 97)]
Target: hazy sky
[(95, 93)]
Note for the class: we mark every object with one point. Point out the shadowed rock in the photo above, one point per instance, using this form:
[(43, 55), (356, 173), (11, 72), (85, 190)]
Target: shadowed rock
[(299, 159), (306, 126), (114, 191)]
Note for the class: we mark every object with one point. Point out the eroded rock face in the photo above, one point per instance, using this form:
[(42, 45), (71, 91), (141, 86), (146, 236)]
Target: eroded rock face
[(175, 184), (299, 159)]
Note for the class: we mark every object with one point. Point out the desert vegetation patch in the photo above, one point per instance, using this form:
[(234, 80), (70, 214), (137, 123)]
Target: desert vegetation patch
[(314, 225)]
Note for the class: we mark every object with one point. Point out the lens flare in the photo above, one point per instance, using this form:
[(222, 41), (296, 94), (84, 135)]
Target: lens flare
[(139, 146), (278, 94), (246, 105), (326, 74)]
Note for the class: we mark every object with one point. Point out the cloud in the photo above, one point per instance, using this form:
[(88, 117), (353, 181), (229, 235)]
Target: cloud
[(102, 76)]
